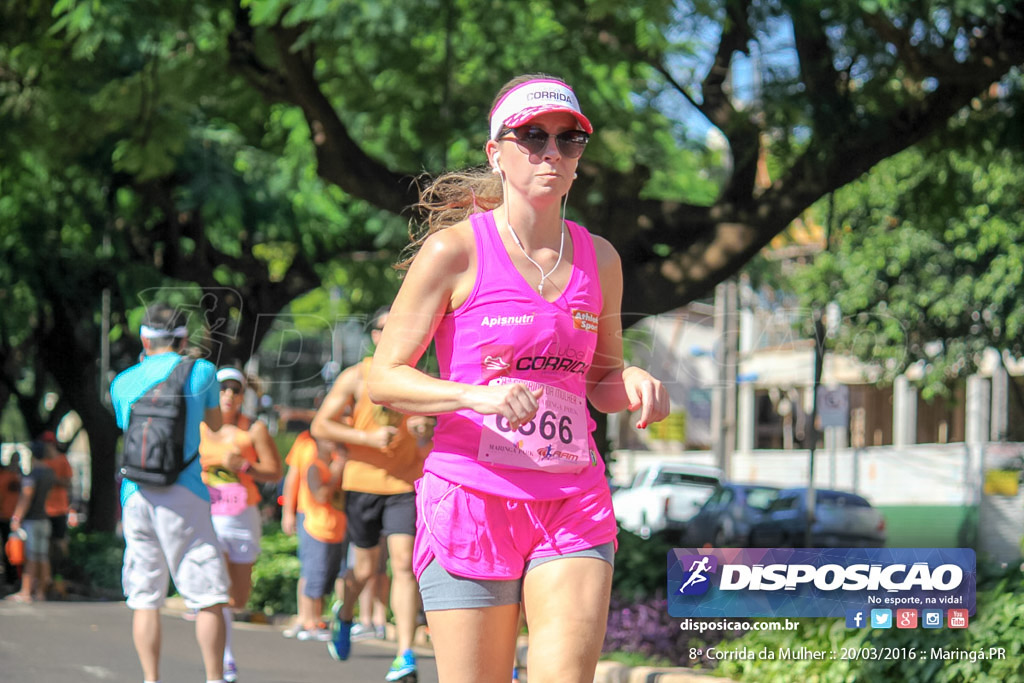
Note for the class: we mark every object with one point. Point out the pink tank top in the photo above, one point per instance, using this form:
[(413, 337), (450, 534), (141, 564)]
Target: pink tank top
[(507, 332)]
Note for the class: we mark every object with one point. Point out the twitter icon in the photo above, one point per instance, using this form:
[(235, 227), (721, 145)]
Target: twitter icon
[(881, 618)]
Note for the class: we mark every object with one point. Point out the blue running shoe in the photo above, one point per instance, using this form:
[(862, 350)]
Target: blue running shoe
[(341, 635), (403, 668)]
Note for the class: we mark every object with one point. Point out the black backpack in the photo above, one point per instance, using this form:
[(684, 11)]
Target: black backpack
[(154, 442)]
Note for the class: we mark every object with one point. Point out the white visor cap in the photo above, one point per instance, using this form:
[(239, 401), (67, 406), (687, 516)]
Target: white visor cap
[(533, 98)]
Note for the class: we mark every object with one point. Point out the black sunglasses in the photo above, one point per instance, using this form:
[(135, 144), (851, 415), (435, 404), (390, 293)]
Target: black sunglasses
[(534, 140)]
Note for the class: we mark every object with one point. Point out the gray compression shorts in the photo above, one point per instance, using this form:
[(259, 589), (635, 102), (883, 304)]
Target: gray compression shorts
[(441, 590)]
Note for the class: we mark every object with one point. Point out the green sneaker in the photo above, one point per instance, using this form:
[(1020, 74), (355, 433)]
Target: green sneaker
[(403, 668)]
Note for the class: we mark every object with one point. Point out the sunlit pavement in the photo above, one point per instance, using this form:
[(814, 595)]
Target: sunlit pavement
[(72, 642)]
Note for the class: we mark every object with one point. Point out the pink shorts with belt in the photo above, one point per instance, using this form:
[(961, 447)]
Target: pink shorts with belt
[(483, 536)]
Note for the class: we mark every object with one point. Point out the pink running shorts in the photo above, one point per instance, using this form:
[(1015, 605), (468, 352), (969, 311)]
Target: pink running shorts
[(482, 536)]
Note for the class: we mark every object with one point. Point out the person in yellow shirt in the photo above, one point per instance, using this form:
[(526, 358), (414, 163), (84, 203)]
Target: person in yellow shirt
[(234, 459)]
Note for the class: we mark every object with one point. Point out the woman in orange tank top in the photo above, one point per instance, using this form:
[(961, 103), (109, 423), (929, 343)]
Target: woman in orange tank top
[(234, 459)]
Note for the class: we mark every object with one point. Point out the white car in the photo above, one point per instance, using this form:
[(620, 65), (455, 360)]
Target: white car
[(664, 497)]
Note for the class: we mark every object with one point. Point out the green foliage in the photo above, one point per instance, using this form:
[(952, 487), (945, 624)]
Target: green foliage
[(640, 564), (924, 262), (999, 622), (97, 558), (275, 574), (12, 424), (95, 563), (284, 442), (634, 659), (418, 99)]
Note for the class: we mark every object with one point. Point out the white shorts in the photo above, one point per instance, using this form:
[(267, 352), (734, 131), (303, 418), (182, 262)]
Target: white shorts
[(168, 533), (239, 535)]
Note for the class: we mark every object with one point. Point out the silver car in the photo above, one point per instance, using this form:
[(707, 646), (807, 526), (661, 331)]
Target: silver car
[(841, 520)]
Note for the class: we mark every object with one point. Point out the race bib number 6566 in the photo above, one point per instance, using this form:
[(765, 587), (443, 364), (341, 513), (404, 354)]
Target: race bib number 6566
[(555, 440)]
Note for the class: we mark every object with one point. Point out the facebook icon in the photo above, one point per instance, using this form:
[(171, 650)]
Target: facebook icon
[(856, 618)]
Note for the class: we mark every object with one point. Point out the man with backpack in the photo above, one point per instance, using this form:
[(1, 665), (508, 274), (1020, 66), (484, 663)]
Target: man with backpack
[(168, 531)]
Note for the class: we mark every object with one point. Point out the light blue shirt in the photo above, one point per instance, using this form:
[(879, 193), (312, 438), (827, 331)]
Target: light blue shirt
[(202, 391)]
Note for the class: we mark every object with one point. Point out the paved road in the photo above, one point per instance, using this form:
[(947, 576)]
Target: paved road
[(78, 642)]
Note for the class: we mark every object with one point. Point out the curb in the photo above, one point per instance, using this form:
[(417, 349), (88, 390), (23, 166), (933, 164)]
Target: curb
[(607, 671), (175, 606), (617, 672)]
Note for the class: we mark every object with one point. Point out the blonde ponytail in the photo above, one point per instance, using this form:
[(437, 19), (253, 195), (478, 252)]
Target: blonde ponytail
[(448, 200)]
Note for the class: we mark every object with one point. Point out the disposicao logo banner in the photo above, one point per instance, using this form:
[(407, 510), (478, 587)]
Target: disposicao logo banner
[(817, 582)]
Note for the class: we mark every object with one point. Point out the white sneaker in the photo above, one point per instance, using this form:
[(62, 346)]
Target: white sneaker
[(319, 633), (362, 632)]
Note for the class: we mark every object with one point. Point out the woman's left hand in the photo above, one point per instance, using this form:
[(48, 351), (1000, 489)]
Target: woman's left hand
[(646, 394)]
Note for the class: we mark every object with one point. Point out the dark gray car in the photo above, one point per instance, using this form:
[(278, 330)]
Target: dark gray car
[(727, 516), (841, 520)]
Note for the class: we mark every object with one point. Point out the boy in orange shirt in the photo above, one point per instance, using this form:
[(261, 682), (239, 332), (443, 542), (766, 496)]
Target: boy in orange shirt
[(324, 521), (294, 494), (297, 501)]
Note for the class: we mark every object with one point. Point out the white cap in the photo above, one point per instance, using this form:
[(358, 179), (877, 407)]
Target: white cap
[(229, 373), (533, 98)]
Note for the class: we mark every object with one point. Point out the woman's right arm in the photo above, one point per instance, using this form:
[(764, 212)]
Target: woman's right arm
[(440, 279)]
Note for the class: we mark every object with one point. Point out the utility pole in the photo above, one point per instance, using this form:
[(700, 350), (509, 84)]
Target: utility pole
[(104, 382), (812, 428), (819, 363), (723, 407)]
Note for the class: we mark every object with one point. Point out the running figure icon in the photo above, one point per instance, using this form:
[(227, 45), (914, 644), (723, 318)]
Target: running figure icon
[(696, 570)]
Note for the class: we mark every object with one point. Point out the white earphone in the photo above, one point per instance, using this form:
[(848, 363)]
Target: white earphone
[(496, 169)]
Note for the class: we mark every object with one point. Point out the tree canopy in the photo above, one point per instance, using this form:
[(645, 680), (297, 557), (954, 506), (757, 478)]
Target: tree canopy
[(925, 256), (251, 147)]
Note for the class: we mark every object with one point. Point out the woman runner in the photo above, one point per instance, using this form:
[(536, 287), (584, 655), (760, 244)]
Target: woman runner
[(233, 460), (524, 309)]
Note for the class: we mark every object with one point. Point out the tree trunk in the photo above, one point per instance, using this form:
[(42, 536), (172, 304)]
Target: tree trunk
[(103, 435), (68, 352)]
